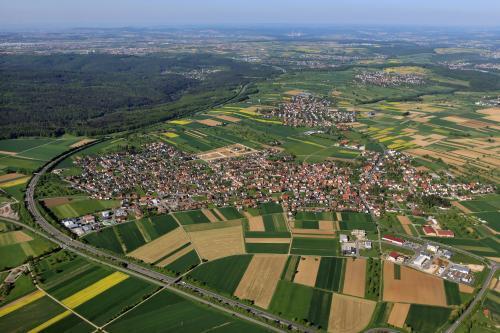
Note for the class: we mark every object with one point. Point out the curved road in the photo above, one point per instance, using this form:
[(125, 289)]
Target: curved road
[(116, 262)]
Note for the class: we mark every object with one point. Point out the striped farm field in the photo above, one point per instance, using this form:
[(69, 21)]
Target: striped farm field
[(330, 273), (93, 290), (30, 315), (50, 322), (19, 303), (260, 279), (15, 182), (112, 301)]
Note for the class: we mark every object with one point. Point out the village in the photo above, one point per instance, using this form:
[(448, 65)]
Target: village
[(307, 110), (159, 178), (389, 79)]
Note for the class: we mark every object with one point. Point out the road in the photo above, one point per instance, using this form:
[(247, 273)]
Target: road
[(125, 265), (477, 299)]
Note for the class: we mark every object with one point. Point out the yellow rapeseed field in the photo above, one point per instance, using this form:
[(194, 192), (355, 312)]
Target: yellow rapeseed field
[(5, 310), (50, 322), (180, 122), (171, 135), (95, 289), (14, 182)]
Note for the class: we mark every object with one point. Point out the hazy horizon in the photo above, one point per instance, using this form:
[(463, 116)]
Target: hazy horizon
[(60, 14)]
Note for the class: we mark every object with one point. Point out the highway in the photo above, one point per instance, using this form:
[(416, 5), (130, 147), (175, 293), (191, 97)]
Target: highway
[(123, 264)]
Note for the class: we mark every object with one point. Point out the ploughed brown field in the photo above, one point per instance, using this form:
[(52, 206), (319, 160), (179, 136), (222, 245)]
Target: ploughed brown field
[(413, 287)]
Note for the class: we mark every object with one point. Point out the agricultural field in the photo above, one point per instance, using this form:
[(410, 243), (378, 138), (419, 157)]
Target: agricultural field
[(216, 240), (82, 206), (223, 275), (412, 286), (169, 312), (19, 245), (315, 246)]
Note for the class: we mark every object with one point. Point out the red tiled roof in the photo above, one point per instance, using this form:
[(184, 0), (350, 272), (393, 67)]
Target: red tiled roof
[(429, 230)]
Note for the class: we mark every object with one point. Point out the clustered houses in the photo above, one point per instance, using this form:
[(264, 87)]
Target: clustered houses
[(180, 183), (389, 179), (307, 110), (172, 180), (388, 79)]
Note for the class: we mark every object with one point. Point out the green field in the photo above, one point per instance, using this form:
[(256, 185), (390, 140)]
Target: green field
[(222, 274), (115, 300), (23, 286), (306, 224), (319, 312), (291, 268), (13, 254), (130, 235), (493, 219), (292, 300), (305, 215), (184, 263), (315, 246), (163, 223), (167, 312), (275, 223), (70, 324), (452, 293), (191, 217), (330, 274), (82, 207), (230, 213), (105, 239), (267, 248), (424, 318), (353, 220), (270, 208)]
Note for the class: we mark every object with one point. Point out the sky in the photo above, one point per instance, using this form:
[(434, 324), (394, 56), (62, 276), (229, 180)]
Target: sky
[(148, 13)]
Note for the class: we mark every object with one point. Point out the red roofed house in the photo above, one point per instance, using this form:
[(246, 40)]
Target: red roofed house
[(392, 239), (429, 231), (445, 233)]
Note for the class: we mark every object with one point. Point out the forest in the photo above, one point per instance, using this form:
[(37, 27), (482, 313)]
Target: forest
[(101, 93)]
